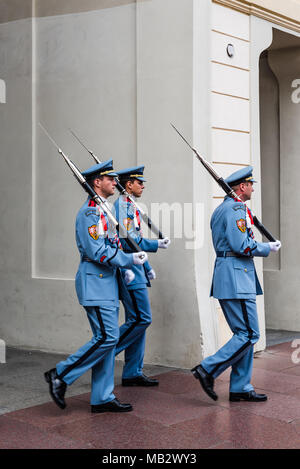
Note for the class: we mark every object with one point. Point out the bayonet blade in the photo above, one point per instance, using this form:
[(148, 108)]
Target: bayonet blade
[(182, 137), (79, 140), (50, 138), (85, 147)]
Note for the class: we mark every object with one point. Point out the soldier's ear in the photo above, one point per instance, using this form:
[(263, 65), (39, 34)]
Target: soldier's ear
[(97, 182)]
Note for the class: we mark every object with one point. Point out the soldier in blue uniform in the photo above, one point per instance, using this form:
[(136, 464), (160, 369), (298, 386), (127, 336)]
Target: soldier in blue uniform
[(235, 285), (96, 283), (135, 298)]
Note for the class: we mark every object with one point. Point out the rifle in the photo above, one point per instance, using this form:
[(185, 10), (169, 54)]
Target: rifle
[(226, 187), (123, 191), (98, 200)]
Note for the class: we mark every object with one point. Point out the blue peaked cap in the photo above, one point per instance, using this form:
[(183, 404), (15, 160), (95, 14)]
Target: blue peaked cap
[(135, 172), (100, 169), (242, 175)]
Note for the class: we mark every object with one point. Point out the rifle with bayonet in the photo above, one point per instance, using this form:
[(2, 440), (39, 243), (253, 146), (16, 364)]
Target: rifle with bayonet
[(226, 187), (98, 200), (123, 191)]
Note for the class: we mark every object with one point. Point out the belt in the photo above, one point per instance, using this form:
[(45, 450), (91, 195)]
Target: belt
[(228, 254)]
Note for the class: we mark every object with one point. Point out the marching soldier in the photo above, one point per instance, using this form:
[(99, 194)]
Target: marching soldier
[(235, 285), (135, 298), (97, 291)]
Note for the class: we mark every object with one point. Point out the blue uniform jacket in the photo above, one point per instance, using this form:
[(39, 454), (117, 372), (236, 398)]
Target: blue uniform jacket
[(129, 217), (235, 277), (96, 279)]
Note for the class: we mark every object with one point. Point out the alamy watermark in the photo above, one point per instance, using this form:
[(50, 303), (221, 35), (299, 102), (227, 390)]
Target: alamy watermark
[(2, 91), (2, 351), (295, 97), (296, 354), (177, 220)]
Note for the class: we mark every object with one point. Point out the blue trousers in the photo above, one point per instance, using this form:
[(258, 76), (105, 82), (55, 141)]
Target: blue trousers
[(98, 354), (241, 316), (133, 332)]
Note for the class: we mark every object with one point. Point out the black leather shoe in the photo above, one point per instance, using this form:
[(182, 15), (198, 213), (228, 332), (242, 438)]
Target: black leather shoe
[(250, 396), (112, 406), (206, 381), (142, 380), (57, 388)]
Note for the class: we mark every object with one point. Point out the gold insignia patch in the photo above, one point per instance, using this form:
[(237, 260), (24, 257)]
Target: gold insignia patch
[(93, 232), (127, 222), (241, 224)]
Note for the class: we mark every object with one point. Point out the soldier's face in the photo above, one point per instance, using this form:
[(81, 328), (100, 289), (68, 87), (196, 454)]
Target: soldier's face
[(106, 186), (136, 187), (248, 189)]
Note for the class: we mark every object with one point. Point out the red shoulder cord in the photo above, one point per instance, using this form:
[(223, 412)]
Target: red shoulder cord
[(251, 234)]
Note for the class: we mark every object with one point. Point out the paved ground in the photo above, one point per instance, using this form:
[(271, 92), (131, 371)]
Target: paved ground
[(175, 415)]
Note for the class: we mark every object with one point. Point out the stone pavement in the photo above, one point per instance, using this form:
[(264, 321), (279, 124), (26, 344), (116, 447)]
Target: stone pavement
[(176, 415)]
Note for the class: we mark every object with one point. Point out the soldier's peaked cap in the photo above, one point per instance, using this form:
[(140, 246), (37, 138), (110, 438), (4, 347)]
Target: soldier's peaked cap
[(242, 175), (100, 169), (135, 172)]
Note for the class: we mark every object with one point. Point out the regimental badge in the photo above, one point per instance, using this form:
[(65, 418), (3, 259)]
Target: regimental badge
[(241, 224), (93, 232), (127, 222), (91, 212), (238, 207)]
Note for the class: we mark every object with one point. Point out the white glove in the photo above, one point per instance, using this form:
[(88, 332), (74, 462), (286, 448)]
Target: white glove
[(139, 258), (151, 274), (275, 245), (164, 243), (128, 276)]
